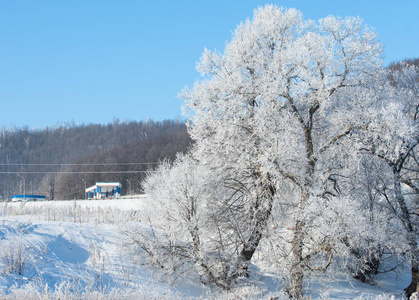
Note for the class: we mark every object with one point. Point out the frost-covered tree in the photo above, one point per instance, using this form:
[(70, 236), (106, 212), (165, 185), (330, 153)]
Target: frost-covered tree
[(279, 106), (278, 120), (370, 188), (47, 186), (394, 138), (186, 234)]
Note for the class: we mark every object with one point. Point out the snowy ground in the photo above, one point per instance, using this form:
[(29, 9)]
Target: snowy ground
[(80, 250)]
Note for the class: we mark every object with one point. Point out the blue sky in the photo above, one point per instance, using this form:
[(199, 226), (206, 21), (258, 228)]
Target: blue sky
[(93, 61)]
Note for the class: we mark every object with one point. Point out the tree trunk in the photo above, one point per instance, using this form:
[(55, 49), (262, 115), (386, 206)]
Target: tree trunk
[(261, 216), (414, 285), (295, 290)]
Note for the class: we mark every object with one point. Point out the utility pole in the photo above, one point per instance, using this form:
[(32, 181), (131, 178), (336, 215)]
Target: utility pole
[(24, 185), (84, 192), (129, 184)]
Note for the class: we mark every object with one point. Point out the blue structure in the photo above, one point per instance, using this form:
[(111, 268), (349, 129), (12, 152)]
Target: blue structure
[(104, 190), (27, 198)]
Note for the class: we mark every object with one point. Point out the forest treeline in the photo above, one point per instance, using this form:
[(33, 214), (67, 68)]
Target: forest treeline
[(59, 162)]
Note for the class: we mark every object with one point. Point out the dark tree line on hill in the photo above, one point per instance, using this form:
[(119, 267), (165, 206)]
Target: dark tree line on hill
[(397, 66), (60, 162)]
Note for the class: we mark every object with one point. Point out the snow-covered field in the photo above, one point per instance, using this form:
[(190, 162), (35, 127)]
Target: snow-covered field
[(82, 250)]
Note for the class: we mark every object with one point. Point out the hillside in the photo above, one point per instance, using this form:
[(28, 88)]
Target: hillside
[(59, 161)]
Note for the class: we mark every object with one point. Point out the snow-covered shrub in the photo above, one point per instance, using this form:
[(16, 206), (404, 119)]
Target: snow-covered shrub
[(14, 255), (182, 237)]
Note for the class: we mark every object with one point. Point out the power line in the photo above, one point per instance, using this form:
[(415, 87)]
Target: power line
[(149, 164), (71, 172), (86, 164)]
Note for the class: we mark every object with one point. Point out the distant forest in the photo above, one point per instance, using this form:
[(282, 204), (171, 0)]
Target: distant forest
[(60, 162)]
